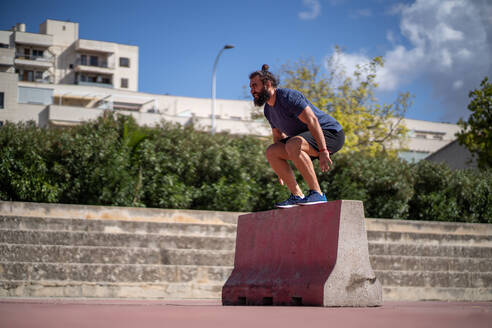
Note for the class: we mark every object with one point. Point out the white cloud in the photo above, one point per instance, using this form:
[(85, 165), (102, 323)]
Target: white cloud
[(390, 36), (336, 2), (314, 10), (449, 45), (361, 13), (457, 84)]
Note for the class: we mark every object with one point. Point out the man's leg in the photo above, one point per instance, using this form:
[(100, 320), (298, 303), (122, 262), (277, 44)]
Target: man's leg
[(277, 157), (299, 152)]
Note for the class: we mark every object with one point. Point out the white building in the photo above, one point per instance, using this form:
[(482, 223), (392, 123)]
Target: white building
[(55, 78)]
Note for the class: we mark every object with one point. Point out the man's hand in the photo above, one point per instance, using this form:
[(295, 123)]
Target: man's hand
[(325, 161)]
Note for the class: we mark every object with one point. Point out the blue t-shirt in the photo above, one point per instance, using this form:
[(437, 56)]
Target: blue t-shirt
[(289, 104)]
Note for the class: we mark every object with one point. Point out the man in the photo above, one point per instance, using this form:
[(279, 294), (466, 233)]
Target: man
[(301, 133)]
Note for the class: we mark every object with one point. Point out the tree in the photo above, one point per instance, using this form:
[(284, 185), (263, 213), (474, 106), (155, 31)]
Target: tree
[(476, 133), (368, 126)]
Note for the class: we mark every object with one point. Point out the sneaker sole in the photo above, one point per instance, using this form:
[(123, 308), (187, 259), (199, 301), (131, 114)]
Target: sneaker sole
[(313, 203), (285, 206)]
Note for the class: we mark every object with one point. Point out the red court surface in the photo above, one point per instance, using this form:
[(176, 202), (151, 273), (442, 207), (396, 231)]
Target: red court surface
[(53, 313)]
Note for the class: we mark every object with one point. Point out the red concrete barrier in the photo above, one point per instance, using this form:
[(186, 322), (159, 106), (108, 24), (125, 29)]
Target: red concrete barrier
[(285, 257)]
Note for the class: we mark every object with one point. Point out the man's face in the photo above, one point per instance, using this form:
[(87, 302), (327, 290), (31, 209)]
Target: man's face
[(259, 91)]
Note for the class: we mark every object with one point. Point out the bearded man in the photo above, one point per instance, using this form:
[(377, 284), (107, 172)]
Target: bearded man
[(301, 133)]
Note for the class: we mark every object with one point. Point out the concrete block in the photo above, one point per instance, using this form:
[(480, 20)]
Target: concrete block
[(314, 255)]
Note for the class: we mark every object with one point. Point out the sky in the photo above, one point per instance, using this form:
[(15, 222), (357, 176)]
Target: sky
[(437, 50)]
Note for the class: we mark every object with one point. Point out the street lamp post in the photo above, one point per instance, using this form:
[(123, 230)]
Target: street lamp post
[(227, 46)]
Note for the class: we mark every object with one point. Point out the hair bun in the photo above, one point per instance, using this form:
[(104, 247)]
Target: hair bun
[(265, 67)]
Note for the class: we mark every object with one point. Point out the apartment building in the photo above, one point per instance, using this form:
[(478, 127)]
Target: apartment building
[(55, 78), (56, 55)]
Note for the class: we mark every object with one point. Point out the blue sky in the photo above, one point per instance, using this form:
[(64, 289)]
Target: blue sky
[(436, 50)]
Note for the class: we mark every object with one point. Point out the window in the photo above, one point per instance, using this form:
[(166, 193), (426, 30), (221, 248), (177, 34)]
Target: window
[(124, 62), (1, 100), (28, 76), (4, 45), (124, 83), (37, 53), (38, 75), (64, 27), (94, 61), (83, 60)]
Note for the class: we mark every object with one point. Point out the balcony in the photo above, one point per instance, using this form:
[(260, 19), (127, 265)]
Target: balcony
[(99, 66), (95, 46), (95, 84), (103, 81), (56, 115), (42, 62), (35, 39), (7, 56)]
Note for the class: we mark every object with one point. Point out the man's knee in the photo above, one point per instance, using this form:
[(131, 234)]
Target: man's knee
[(273, 151), (293, 146)]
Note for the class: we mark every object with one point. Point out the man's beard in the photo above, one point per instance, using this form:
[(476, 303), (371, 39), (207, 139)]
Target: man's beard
[(263, 97)]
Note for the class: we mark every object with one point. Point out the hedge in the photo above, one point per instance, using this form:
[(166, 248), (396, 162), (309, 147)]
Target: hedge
[(113, 161)]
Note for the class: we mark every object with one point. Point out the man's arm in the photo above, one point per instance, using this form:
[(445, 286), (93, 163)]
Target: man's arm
[(307, 117), (277, 135)]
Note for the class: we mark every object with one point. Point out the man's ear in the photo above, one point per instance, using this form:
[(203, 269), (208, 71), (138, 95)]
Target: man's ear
[(268, 84)]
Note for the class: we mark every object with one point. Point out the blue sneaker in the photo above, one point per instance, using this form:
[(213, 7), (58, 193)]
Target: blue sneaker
[(292, 201), (312, 198)]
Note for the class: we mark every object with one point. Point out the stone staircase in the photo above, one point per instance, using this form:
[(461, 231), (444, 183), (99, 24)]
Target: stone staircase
[(416, 260), (173, 259)]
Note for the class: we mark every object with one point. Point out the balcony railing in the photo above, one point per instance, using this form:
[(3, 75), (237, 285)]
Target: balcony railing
[(99, 63), (95, 84), (34, 57), (48, 79)]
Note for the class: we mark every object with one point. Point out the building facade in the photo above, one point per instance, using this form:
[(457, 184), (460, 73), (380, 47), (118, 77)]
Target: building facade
[(56, 55), (55, 78)]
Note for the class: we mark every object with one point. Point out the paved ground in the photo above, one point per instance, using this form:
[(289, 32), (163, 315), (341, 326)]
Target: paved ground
[(53, 313)]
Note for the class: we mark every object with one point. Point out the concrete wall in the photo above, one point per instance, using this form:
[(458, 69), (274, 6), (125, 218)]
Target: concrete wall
[(8, 85), (43, 40), (5, 37), (91, 212), (130, 73), (64, 33), (456, 156), (428, 136)]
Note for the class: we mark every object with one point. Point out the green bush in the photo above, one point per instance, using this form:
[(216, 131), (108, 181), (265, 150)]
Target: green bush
[(113, 161), (446, 195), (383, 183)]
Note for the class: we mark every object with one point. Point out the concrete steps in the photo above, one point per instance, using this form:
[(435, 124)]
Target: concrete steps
[(51, 257), (118, 226), (191, 257), (77, 238), (83, 272), (170, 256)]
